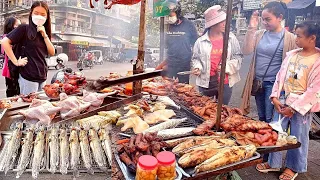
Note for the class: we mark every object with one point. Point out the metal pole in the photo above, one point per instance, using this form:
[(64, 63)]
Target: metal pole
[(223, 65), (138, 67), (161, 39)]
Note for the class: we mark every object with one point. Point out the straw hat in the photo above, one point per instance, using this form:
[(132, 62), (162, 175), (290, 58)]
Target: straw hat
[(214, 15)]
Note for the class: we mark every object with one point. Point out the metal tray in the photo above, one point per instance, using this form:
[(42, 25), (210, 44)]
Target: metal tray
[(131, 176), (191, 171)]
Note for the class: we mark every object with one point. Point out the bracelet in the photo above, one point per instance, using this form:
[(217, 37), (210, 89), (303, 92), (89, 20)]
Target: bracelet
[(292, 110)]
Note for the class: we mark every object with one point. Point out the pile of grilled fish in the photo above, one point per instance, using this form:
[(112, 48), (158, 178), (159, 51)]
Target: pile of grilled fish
[(56, 149), (208, 152)]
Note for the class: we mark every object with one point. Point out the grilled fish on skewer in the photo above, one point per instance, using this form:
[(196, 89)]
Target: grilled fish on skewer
[(38, 153), (12, 149), (97, 150), (106, 144), (226, 156), (64, 152), (26, 151), (75, 152), (85, 150), (165, 125), (54, 150)]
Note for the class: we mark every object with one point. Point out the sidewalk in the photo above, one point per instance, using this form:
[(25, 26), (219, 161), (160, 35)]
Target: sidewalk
[(312, 174)]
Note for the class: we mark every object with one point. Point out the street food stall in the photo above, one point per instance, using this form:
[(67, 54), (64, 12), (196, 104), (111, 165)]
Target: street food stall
[(142, 126)]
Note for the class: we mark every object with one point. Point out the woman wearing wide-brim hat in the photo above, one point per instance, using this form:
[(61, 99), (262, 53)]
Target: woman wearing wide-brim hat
[(207, 56)]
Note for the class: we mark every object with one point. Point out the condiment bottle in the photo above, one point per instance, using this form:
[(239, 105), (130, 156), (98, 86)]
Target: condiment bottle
[(166, 166), (147, 168)]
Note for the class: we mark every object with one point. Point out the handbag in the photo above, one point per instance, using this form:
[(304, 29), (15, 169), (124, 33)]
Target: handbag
[(257, 86)]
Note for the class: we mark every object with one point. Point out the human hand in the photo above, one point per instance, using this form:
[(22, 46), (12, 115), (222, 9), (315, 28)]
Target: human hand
[(287, 112), (254, 20), (42, 30), (22, 61), (277, 104), (196, 71)]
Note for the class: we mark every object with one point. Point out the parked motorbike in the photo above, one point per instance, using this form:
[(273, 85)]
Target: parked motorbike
[(84, 63), (58, 62)]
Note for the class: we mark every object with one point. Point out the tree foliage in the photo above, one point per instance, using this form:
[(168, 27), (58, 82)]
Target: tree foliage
[(198, 7)]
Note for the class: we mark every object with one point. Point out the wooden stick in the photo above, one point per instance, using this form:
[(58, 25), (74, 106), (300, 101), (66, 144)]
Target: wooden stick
[(224, 61), (138, 67)]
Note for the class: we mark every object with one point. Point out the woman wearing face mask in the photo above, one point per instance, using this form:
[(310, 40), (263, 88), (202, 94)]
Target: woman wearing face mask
[(35, 45), (9, 70), (207, 55), (180, 38), (269, 47)]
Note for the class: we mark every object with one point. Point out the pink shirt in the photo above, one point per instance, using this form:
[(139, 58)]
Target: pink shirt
[(309, 101), (5, 69), (216, 56)]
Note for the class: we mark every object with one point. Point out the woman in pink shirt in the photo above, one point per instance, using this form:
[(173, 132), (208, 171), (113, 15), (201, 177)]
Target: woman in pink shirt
[(295, 94), (8, 71)]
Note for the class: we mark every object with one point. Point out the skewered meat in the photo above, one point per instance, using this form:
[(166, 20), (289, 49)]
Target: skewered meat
[(192, 142), (71, 106), (197, 157), (204, 127), (40, 110), (126, 159), (5, 104), (252, 125), (158, 116)]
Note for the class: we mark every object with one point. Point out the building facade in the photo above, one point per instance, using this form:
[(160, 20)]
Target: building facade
[(76, 26)]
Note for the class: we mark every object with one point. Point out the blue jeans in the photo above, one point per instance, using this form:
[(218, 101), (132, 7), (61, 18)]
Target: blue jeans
[(27, 87), (296, 159), (264, 105)]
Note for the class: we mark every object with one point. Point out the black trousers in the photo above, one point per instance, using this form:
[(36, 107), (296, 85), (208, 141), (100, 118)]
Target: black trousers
[(12, 87)]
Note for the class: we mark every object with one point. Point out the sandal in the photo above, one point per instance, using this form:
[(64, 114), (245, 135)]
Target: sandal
[(265, 168), (288, 176)]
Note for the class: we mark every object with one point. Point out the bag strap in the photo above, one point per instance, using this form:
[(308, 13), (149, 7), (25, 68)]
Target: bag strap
[(274, 54)]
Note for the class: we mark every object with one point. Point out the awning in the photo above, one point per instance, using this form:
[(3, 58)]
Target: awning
[(126, 43), (106, 43), (300, 4), (80, 40), (56, 39)]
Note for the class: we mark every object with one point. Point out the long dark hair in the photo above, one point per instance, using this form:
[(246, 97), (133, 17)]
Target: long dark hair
[(32, 32), (311, 28), (9, 25), (277, 9)]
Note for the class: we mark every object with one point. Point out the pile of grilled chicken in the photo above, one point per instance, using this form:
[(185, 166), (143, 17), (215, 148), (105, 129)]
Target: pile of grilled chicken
[(141, 144)]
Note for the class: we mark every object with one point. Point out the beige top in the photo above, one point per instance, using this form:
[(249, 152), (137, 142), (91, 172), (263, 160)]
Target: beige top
[(298, 72)]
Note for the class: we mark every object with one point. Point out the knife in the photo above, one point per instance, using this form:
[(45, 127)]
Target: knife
[(184, 73)]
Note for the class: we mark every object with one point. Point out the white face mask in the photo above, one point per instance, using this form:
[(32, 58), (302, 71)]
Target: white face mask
[(172, 19), (38, 20)]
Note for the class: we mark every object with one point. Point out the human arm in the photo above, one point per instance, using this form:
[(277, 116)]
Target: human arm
[(196, 60), (162, 65), (251, 35), (6, 44), (47, 40)]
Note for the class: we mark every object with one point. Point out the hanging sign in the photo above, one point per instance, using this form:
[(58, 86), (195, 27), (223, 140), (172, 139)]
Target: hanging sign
[(161, 7)]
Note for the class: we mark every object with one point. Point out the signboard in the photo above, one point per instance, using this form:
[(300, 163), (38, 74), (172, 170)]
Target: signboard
[(96, 44), (317, 2), (251, 4), (161, 7), (83, 43)]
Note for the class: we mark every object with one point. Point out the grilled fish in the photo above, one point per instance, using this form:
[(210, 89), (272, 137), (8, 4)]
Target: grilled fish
[(75, 152), (64, 151), (26, 151), (175, 133), (192, 142), (38, 153), (97, 150), (106, 144), (54, 149), (226, 156), (174, 142), (165, 125), (12, 149), (85, 150), (196, 157)]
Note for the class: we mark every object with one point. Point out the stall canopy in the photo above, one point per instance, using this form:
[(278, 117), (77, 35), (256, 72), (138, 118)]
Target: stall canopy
[(80, 40), (106, 43), (126, 43), (300, 4)]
